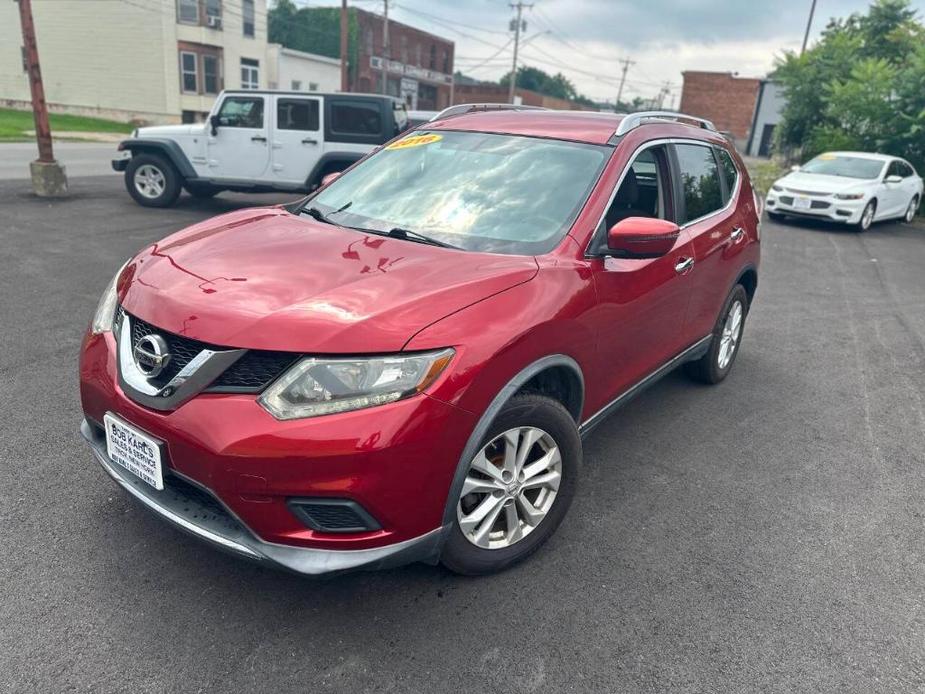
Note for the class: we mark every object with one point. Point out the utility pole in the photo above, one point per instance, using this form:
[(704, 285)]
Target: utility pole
[(48, 176), (344, 85), (518, 25), (626, 66), (386, 53), (809, 24)]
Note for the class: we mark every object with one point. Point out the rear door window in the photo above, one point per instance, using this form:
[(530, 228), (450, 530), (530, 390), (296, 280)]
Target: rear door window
[(701, 190), (298, 114)]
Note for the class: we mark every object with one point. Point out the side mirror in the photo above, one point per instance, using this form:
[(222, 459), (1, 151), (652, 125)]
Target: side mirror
[(794, 168), (214, 122), (894, 179), (642, 237), (334, 175)]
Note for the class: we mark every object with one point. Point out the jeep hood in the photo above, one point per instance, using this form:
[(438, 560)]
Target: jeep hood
[(171, 130), (266, 279)]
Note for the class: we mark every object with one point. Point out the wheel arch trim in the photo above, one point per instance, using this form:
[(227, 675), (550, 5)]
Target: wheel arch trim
[(167, 148), (488, 416)]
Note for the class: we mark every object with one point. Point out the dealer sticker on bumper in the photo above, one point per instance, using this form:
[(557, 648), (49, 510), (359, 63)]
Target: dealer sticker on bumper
[(135, 451)]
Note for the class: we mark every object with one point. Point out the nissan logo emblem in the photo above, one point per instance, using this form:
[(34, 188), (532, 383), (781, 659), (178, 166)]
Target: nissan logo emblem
[(151, 355)]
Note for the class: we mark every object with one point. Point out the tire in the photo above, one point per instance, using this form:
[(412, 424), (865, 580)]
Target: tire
[(867, 216), (716, 364), (549, 423), (202, 192), (911, 210), (162, 187)]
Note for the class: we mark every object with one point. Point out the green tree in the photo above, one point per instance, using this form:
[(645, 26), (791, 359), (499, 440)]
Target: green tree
[(862, 86), (312, 29)]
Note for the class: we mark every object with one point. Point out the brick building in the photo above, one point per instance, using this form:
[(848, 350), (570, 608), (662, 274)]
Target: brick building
[(496, 94), (725, 99), (419, 65)]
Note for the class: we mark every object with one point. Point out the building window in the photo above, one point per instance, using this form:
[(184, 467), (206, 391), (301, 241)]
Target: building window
[(250, 74), (433, 56), (247, 7), (368, 40), (213, 16), (188, 11), (446, 62), (189, 73), (296, 85), (418, 55), (404, 49), (210, 74), (313, 86)]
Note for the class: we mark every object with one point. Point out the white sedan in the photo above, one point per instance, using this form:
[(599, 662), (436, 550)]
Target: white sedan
[(850, 187)]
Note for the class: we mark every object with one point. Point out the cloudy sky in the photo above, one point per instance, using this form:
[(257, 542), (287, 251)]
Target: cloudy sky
[(585, 39)]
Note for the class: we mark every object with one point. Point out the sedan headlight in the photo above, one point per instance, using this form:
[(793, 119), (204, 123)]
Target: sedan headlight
[(106, 309), (849, 196), (323, 385), (777, 188)]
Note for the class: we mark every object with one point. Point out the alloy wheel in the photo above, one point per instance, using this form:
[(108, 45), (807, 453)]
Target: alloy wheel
[(510, 488), (150, 181), (910, 212), (729, 339), (867, 217)]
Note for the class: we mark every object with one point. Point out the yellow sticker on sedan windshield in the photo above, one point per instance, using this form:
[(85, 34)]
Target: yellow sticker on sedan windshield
[(415, 141), (827, 157)]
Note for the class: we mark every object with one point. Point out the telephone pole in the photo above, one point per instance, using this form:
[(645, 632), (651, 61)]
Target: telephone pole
[(626, 66), (48, 176), (518, 25), (344, 86), (386, 53), (809, 24)]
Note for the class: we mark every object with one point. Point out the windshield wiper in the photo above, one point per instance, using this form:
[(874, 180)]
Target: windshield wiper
[(409, 235), (317, 214)]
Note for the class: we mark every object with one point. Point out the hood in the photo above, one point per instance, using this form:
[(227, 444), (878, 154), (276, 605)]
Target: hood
[(821, 183), (266, 279), (170, 130)]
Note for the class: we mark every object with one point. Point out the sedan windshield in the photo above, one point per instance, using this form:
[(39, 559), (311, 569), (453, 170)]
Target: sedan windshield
[(475, 191), (840, 165)]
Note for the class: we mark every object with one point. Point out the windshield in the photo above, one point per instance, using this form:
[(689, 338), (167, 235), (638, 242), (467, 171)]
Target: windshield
[(838, 165), (476, 191)]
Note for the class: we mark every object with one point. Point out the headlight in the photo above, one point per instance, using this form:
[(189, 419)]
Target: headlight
[(777, 188), (106, 309), (849, 196), (322, 385)]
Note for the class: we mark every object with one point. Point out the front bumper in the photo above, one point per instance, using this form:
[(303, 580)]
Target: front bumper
[(822, 207), (120, 163), (209, 520)]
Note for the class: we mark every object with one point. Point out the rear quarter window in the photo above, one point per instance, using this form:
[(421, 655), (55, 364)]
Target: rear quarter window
[(355, 119), (730, 172)]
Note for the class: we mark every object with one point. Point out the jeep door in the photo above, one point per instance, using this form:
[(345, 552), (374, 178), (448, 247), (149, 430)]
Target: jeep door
[(239, 148), (298, 137), (642, 307)]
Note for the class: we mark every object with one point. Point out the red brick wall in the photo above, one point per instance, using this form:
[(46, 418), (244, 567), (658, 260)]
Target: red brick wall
[(726, 100), (496, 94)]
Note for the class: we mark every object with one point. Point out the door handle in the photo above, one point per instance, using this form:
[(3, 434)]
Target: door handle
[(684, 265), (736, 234), (258, 138), (309, 141)]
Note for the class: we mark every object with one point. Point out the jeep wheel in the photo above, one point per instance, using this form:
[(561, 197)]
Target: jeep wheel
[(716, 364), (517, 488), (152, 181)]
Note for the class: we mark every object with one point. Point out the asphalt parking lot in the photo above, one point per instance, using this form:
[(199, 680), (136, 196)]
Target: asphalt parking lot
[(764, 535)]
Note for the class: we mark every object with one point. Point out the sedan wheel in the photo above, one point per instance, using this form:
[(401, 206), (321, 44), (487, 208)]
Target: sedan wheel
[(911, 210), (510, 488), (867, 216)]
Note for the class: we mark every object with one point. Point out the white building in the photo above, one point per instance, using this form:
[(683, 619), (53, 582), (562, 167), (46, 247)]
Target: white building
[(299, 71), (157, 61)]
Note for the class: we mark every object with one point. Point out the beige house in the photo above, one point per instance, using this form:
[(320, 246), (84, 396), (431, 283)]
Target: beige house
[(157, 61)]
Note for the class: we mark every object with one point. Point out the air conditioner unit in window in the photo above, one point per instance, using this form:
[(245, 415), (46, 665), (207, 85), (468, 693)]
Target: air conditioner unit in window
[(214, 22)]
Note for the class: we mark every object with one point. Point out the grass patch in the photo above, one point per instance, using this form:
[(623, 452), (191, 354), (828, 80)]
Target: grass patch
[(14, 124), (763, 174)]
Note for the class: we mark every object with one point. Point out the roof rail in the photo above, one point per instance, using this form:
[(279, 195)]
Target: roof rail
[(634, 120), (461, 109)]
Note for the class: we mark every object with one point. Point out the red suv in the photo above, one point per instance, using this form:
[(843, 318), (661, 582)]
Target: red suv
[(401, 367)]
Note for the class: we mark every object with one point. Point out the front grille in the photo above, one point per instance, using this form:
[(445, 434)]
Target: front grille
[(250, 374), (812, 193), (820, 205), (786, 199)]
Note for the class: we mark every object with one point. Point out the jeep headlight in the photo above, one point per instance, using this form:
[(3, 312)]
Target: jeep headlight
[(106, 308), (326, 385)]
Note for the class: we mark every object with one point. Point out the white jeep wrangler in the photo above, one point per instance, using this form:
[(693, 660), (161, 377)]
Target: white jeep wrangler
[(257, 141)]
